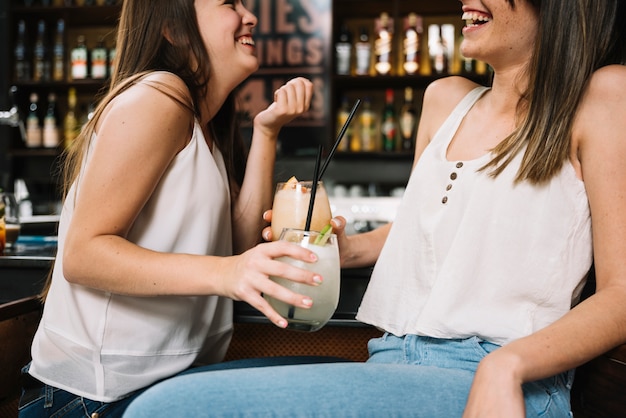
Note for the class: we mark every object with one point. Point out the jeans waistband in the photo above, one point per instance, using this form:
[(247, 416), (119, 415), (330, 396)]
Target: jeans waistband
[(31, 387)]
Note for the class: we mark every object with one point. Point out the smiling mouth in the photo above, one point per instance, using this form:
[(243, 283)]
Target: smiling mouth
[(473, 19), (246, 41)]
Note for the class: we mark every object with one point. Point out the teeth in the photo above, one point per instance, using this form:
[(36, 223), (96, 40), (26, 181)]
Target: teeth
[(246, 41), (473, 17)]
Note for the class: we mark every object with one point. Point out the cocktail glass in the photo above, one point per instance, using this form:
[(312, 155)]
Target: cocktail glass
[(291, 206), (325, 296)]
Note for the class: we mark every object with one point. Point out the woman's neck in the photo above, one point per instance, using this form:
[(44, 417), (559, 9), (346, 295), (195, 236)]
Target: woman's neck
[(508, 88)]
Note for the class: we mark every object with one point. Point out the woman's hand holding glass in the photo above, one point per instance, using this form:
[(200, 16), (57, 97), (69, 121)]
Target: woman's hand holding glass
[(248, 278)]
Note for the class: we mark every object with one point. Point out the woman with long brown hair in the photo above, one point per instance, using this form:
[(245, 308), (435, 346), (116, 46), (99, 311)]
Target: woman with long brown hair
[(162, 213), (515, 189)]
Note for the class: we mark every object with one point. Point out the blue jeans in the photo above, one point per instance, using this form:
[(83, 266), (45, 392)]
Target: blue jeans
[(405, 377), (39, 400)]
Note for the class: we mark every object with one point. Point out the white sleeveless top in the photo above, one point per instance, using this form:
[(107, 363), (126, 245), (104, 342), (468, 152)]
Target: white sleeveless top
[(102, 345), (470, 255)]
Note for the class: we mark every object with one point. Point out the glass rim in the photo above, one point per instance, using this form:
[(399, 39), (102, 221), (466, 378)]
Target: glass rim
[(301, 182), (304, 232)]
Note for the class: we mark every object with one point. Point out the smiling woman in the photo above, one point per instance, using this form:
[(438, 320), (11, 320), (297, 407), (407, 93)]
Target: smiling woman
[(478, 281), (163, 200)]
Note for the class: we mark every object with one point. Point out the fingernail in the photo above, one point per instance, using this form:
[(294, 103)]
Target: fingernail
[(317, 279), (266, 235), (307, 302), (282, 323), (313, 257)]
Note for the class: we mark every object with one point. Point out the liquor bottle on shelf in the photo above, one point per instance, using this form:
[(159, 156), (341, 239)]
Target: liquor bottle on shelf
[(79, 58), (58, 52), (383, 44), (367, 124), (437, 49), (41, 56), (482, 68), (51, 134), (363, 49), (70, 122), (112, 53), (411, 43), (99, 67), (343, 50), (33, 123), (342, 117), (57, 3), (21, 58), (408, 121), (449, 41), (388, 126)]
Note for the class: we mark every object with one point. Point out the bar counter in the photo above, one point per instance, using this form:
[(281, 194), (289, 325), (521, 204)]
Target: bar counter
[(24, 268)]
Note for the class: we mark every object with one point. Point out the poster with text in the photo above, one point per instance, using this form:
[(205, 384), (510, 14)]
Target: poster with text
[(292, 39)]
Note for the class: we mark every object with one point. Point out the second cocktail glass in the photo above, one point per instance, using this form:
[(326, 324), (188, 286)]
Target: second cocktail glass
[(291, 205)]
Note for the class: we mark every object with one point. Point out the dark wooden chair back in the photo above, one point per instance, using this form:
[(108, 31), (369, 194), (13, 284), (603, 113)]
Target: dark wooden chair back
[(18, 322)]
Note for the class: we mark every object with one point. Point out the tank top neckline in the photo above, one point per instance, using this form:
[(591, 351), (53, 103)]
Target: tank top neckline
[(453, 122)]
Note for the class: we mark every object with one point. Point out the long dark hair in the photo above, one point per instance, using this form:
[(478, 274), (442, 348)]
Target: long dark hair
[(142, 47), (573, 41)]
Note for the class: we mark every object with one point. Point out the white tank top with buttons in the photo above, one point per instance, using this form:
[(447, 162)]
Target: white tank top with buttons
[(472, 255), (102, 345)]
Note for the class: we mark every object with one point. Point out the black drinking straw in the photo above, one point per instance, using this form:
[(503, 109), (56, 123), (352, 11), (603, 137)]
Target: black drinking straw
[(316, 177), (344, 128)]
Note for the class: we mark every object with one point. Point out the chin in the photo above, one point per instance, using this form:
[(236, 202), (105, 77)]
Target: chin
[(253, 68)]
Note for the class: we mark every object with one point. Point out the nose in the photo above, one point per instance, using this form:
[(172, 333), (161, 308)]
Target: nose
[(248, 18)]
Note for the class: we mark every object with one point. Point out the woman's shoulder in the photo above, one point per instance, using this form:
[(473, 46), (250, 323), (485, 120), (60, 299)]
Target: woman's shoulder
[(440, 99), (161, 98), (158, 92), (169, 84), (608, 81), (446, 93), (605, 92), (601, 115)]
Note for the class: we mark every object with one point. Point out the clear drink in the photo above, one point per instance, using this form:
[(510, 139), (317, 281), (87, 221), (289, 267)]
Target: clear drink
[(325, 296), (291, 206)]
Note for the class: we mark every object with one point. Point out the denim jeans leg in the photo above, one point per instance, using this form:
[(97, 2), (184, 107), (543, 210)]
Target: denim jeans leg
[(321, 390), (391, 384)]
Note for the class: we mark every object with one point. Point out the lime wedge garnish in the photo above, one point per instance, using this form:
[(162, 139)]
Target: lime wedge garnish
[(324, 235)]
